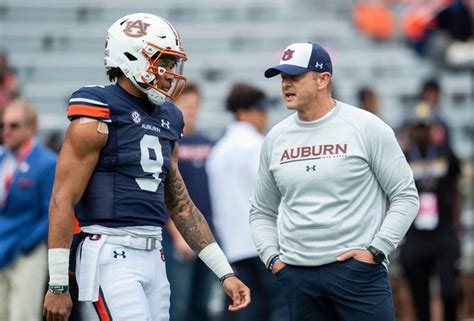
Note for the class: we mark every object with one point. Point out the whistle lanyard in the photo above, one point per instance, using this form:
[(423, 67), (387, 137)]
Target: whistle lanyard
[(10, 168)]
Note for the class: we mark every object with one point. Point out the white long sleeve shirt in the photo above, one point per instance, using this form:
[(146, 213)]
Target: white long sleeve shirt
[(232, 167), (326, 183)]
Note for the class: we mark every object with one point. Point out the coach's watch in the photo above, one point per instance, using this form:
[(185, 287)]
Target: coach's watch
[(378, 255)]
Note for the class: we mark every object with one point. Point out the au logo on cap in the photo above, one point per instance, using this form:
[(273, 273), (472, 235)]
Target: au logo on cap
[(287, 55)]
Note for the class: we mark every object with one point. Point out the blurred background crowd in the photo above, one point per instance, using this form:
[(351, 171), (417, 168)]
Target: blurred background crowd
[(411, 62)]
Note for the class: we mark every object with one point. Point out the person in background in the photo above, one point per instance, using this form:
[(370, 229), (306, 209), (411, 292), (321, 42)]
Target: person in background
[(369, 100), (232, 169), (432, 246), (26, 182), (8, 83), (190, 280), (429, 108)]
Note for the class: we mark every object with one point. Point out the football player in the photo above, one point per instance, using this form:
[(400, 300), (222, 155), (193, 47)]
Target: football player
[(118, 172)]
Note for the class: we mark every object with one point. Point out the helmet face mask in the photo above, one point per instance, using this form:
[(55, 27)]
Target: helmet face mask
[(164, 64), (148, 51)]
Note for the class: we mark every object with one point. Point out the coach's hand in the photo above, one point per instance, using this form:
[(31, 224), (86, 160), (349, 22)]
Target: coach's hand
[(359, 255), (238, 292), (278, 266), (57, 307)]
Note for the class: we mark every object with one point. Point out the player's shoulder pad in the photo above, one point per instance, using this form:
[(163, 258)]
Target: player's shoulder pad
[(89, 101)]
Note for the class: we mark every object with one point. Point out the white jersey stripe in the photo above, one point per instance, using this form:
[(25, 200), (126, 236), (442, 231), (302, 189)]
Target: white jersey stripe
[(89, 101)]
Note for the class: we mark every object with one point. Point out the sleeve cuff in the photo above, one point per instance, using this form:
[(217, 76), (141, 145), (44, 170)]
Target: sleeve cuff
[(385, 246), (267, 253)]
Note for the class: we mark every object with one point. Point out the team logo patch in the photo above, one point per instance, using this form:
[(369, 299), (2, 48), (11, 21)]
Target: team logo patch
[(136, 29), (287, 55), (136, 117)]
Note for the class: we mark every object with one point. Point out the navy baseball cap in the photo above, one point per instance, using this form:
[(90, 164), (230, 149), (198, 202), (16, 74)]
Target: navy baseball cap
[(299, 58)]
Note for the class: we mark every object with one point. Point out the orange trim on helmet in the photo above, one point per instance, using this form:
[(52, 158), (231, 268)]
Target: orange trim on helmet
[(85, 110)]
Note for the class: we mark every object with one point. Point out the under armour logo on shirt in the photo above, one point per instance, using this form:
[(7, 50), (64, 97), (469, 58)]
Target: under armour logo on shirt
[(311, 168), (165, 124), (319, 65), (117, 254)]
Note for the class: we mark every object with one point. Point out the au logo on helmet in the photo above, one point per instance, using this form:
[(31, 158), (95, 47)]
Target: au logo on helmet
[(136, 28)]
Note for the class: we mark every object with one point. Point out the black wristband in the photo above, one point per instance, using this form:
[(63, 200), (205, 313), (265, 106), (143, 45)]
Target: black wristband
[(228, 275)]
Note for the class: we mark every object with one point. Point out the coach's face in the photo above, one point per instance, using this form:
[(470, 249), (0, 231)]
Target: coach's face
[(299, 90)]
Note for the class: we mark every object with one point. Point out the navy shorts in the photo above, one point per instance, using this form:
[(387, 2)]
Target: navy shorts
[(340, 291)]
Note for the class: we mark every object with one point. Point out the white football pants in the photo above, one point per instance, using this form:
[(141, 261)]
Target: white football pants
[(133, 285)]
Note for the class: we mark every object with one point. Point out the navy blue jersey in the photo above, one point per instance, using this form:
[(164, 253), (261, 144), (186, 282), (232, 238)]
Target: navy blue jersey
[(127, 185)]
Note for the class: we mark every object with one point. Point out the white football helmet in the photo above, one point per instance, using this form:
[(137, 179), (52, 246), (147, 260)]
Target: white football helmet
[(146, 47)]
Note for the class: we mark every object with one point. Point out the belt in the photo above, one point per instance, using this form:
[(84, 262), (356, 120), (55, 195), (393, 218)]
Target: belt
[(139, 243)]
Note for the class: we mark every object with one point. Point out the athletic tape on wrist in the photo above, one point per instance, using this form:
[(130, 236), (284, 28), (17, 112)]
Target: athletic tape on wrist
[(58, 263), (215, 259)]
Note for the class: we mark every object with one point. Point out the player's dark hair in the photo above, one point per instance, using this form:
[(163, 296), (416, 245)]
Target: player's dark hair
[(243, 96), (114, 74)]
